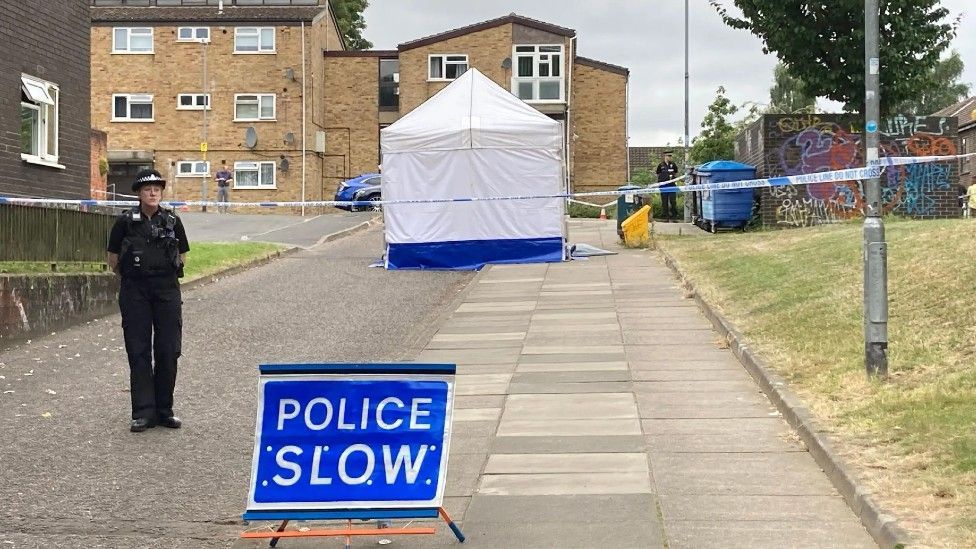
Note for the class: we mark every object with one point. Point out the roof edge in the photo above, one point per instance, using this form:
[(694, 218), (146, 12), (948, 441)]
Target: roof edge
[(485, 25), (361, 53), (593, 63)]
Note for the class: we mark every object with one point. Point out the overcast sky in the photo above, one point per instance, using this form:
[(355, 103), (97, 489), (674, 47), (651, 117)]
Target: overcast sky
[(646, 36)]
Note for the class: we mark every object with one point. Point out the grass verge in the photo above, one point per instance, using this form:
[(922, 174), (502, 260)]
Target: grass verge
[(208, 258), (797, 296), (204, 259)]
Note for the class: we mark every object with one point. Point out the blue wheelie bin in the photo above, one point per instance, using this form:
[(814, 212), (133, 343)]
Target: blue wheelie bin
[(723, 209)]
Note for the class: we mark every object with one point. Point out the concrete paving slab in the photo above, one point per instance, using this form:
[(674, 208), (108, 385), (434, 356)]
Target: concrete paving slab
[(565, 484), (477, 328), (566, 463), (576, 317), (490, 336), (573, 357), (596, 339), (743, 474), (713, 507), (478, 401), (673, 337), (463, 472), (518, 282), (570, 349), (502, 368), (481, 384), (715, 426), (570, 406), (735, 387), (754, 534), (469, 345), (571, 377), (562, 388), (662, 410), (702, 399), (535, 328), (470, 356), (598, 509), (505, 306), (572, 366), (570, 306), (723, 362), (477, 414), (721, 374), (548, 292), (568, 428), (735, 442), (663, 353), (550, 287), (545, 445), (567, 534)]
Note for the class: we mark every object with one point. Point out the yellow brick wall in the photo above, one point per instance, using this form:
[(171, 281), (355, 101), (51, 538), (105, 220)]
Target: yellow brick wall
[(177, 67), (351, 117), (599, 120)]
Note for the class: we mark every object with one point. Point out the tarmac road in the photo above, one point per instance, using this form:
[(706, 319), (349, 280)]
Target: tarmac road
[(71, 474), (291, 230)]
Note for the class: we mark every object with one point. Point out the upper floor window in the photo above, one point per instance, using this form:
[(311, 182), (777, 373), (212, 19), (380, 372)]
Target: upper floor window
[(193, 34), (132, 40), (251, 107), (446, 67), (538, 73), (127, 107), (254, 40), (389, 84), (193, 101), (38, 120)]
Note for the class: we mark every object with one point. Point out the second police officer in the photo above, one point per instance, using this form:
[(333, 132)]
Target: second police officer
[(148, 247)]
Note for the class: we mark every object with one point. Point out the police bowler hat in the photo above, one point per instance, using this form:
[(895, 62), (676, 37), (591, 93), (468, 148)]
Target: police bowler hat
[(145, 177)]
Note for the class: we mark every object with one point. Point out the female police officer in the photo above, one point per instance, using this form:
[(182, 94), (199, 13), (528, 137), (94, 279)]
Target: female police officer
[(147, 247)]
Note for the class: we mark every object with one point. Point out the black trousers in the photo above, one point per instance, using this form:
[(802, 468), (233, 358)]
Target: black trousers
[(669, 203), (152, 323)]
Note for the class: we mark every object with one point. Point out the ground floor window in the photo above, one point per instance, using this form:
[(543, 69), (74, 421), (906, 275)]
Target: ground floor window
[(191, 168), (254, 175)]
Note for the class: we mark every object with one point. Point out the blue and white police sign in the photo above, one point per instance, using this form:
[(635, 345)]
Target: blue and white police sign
[(351, 436)]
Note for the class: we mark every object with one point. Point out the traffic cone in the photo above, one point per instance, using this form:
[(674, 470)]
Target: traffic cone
[(603, 214)]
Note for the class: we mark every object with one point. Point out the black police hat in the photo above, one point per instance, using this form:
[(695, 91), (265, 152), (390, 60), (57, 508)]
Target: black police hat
[(146, 177), (668, 153)]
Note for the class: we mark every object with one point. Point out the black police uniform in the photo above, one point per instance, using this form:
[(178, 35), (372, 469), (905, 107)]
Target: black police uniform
[(667, 171), (151, 305)]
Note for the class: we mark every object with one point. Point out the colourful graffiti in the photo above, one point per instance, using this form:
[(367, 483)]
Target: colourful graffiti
[(819, 143)]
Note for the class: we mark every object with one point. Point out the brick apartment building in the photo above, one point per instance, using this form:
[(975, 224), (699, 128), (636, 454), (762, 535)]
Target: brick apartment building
[(368, 90), (44, 99), (965, 113), (240, 76)]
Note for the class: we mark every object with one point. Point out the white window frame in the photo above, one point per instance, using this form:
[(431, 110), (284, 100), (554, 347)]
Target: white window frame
[(257, 32), (44, 99), (444, 62), (195, 105), (259, 98), (194, 35), (140, 98), (539, 58), (194, 171), (128, 41), (255, 166)]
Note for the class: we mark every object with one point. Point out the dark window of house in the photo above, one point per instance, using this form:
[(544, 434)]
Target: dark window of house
[(389, 84)]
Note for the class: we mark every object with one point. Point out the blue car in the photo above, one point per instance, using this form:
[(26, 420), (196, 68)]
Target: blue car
[(365, 187)]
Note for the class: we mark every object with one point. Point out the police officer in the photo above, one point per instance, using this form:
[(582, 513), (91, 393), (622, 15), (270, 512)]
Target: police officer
[(666, 171), (148, 247)]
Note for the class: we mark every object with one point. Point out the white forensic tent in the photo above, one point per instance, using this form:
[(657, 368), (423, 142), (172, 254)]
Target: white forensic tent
[(473, 139)]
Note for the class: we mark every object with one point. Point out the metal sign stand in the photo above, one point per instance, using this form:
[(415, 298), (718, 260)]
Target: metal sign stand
[(349, 531)]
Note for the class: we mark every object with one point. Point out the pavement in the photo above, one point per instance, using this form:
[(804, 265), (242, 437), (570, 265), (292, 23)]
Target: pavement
[(595, 407), (290, 230)]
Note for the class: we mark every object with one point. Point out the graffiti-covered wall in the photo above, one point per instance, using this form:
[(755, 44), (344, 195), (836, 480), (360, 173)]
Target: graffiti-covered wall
[(801, 144)]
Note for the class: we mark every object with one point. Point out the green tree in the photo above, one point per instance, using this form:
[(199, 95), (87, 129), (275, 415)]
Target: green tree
[(822, 43), (717, 138), (942, 89), (789, 94), (349, 18)]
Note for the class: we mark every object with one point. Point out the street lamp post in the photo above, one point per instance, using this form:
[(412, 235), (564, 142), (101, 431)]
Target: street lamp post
[(875, 248), (687, 159)]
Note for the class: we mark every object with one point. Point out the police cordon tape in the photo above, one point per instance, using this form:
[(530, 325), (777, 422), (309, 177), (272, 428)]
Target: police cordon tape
[(836, 176)]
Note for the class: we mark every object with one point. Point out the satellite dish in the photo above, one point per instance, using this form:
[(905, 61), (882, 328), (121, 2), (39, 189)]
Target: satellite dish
[(250, 137), (289, 138), (284, 164), (507, 63)]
